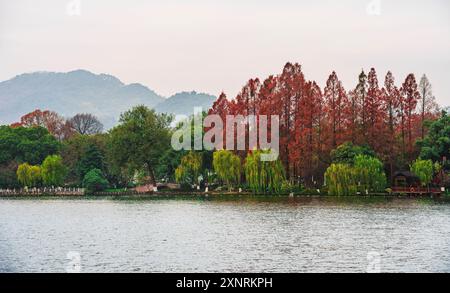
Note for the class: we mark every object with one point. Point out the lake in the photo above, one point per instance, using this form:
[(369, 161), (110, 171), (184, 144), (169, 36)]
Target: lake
[(236, 235)]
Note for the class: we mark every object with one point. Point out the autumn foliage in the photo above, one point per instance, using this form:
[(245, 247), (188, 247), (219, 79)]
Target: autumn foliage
[(58, 126), (314, 121), (50, 120)]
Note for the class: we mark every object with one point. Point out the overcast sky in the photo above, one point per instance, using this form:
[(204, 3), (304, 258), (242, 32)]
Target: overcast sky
[(210, 46)]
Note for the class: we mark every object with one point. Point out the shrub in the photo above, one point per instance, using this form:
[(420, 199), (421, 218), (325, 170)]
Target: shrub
[(95, 181), (287, 187)]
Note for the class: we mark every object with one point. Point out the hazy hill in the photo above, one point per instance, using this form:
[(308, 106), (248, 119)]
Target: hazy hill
[(81, 91), (185, 102)]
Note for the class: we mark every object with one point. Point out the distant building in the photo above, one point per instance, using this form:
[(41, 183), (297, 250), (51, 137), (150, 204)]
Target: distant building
[(406, 179)]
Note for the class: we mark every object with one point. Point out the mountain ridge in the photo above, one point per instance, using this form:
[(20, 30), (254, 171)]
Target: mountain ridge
[(82, 91)]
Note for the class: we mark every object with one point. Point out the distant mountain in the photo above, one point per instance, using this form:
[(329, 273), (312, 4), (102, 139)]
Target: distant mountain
[(184, 103), (70, 93), (81, 91)]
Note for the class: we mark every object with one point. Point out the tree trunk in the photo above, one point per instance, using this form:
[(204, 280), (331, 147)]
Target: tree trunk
[(151, 174)]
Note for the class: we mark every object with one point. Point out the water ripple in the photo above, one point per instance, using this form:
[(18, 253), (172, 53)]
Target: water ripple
[(224, 236)]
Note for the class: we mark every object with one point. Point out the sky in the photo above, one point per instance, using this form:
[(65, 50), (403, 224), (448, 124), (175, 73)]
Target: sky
[(213, 46)]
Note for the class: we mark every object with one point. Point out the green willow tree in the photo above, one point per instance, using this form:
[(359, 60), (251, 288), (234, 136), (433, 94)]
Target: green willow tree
[(29, 176), (370, 174), (53, 171), (424, 170), (227, 167), (190, 168), (139, 141), (365, 174), (341, 180), (263, 176)]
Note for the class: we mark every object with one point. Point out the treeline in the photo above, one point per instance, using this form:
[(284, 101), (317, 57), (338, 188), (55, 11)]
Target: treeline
[(44, 149), (391, 119), (349, 141)]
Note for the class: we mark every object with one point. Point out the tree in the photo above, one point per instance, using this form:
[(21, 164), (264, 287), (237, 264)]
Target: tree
[(424, 170), (53, 171), (359, 109), (81, 153), (284, 97), (169, 161), (30, 145), (374, 113), (140, 140), (263, 176), (35, 175), (8, 175), (91, 158), (336, 106), (29, 176), (347, 152), (436, 144), (50, 120), (353, 124), (189, 169), (428, 105), (312, 124), (370, 174), (36, 118), (391, 104), (306, 152), (247, 103), (23, 174), (341, 180), (391, 100), (94, 181), (361, 170), (86, 124), (227, 167), (221, 107), (410, 97)]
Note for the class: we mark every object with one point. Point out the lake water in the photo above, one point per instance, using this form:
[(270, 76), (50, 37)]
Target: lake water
[(288, 235)]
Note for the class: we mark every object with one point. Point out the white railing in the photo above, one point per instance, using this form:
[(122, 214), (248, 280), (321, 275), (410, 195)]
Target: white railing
[(42, 191)]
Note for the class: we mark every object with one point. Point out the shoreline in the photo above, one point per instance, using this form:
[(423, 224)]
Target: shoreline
[(223, 196)]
